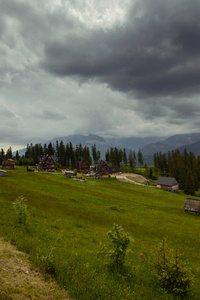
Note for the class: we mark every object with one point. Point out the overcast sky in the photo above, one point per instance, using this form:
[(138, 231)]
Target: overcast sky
[(112, 68)]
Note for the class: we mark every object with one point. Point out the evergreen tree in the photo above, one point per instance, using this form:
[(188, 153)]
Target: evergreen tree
[(94, 154), (140, 157), (107, 156), (2, 155), (50, 149), (189, 187), (125, 160), (9, 153), (17, 157)]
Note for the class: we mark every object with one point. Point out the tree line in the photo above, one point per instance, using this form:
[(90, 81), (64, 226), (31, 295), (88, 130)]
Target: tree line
[(66, 155)]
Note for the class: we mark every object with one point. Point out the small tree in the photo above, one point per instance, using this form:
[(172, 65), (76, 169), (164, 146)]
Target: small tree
[(120, 240), (140, 157), (20, 209), (173, 274)]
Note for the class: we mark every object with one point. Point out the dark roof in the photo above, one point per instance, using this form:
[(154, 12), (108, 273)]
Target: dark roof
[(114, 169), (79, 164), (44, 158), (192, 205), (8, 161), (169, 181), (100, 164)]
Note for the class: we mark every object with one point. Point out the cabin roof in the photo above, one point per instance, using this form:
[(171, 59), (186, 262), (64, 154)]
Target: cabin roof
[(114, 169), (169, 181), (8, 161), (192, 205), (80, 163)]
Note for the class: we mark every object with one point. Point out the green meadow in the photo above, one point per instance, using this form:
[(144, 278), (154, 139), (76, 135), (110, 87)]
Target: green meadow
[(66, 232)]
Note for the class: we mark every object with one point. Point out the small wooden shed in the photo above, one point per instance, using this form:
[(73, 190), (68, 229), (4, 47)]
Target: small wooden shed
[(192, 205), (168, 184), (2, 173), (8, 164)]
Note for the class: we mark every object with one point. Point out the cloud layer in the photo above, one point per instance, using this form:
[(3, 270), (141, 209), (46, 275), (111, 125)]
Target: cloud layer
[(123, 68)]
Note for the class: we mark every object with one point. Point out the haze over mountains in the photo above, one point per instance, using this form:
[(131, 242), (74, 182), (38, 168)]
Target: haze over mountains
[(148, 145)]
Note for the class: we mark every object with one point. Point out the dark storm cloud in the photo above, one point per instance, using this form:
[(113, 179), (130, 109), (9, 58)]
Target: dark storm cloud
[(155, 53)]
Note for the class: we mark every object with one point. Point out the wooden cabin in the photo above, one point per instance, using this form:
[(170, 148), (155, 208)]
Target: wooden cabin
[(168, 184), (192, 205), (101, 169), (82, 166), (2, 173), (46, 163), (8, 164)]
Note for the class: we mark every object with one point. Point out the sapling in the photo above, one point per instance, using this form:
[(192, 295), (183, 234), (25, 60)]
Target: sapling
[(20, 208), (120, 240), (173, 274)]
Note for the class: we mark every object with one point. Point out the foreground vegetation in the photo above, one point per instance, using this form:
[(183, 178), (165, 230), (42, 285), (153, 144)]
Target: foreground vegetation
[(65, 232), (20, 280)]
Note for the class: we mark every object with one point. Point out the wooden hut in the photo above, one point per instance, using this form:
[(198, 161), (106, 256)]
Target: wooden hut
[(192, 205), (101, 169), (46, 163), (2, 173), (167, 184), (8, 164), (82, 166)]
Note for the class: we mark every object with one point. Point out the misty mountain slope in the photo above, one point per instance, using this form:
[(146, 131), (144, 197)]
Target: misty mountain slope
[(194, 148), (77, 139), (171, 143), (150, 149), (179, 140)]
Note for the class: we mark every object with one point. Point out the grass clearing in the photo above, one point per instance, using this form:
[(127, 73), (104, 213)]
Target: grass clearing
[(67, 224)]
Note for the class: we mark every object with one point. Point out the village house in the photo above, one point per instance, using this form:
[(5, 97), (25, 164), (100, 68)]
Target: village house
[(8, 164), (82, 166), (46, 163), (168, 184), (192, 205), (101, 169)]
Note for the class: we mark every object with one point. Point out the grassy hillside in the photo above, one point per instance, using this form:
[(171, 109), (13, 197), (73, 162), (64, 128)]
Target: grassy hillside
[(67, 225)]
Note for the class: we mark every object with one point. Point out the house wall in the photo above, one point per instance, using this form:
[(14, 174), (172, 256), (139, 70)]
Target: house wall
[(8, 167), (173, 188)]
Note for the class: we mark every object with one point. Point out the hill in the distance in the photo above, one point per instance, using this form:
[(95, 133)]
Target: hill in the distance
[(148, 145)]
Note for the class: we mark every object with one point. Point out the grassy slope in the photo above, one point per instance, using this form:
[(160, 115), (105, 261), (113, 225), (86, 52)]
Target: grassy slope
[(68, 224)]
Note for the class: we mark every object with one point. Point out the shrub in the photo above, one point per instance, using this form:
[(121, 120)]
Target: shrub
[(120, 240), (20, 209), (173, 274)]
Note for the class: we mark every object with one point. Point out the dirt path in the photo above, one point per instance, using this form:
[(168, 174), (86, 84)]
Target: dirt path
[(20, 280), (130, 177)]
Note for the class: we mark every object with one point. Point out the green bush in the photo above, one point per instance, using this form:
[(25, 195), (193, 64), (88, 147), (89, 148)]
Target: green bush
[(120, 240), (173, 274), (20, 209)]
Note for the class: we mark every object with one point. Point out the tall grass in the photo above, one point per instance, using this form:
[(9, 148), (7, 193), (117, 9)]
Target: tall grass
[(66, 232)]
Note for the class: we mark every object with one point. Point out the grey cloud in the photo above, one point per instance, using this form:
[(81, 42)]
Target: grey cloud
[(155, 54), (53, 115), (140, 76)]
